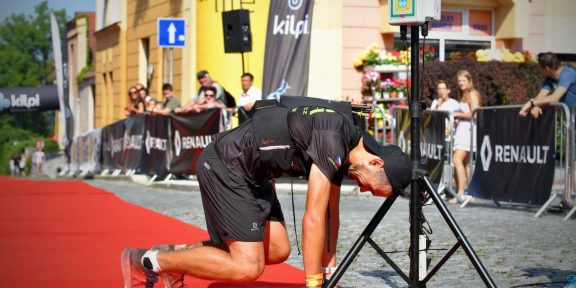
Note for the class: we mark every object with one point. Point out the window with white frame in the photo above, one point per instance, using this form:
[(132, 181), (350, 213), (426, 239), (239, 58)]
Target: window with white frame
[(459, 33)]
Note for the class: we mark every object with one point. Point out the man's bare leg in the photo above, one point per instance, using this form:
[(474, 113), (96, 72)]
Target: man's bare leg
[(276, 244), (235, 261), (244, 262)]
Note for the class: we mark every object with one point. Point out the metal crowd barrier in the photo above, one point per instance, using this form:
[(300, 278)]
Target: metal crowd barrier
[(572, 137), (446, 180), (563, 170)]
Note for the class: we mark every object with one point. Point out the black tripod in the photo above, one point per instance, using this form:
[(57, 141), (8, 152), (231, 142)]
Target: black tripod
[(419, 183)]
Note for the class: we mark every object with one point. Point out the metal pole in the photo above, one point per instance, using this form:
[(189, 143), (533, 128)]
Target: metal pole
[(415, 115), (164, 66), (171, 65), (243, 70)]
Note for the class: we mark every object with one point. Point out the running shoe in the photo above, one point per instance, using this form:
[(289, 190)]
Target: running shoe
[(135, 274), (170, 280)]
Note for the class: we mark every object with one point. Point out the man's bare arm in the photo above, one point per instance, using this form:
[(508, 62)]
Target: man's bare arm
[(314, 221)]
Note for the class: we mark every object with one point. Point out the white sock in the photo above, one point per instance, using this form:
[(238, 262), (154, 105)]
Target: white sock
[(149, 259)]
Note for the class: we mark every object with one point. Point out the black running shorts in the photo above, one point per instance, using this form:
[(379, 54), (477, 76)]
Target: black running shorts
[(234, 209)]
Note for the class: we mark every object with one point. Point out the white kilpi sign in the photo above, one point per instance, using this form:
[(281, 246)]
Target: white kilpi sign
[(171, 32)]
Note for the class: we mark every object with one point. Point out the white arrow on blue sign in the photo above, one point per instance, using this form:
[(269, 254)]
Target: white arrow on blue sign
[(171, 32)]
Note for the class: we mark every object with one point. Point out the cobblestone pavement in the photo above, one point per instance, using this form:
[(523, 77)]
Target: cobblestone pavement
[(517, 249)]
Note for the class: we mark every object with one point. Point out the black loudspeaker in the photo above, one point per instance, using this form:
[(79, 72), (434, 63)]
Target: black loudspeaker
[(236, 26)]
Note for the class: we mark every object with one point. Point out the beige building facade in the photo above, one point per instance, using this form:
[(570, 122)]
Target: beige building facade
[(127, 52)]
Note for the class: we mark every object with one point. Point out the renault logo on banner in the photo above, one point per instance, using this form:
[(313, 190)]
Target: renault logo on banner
[(295, 4), (147, 142), (177, 142), (527, 154), (154, 143), (486, 153)]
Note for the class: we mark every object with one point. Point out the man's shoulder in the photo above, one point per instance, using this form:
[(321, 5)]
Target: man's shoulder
[(216, 85), (568, 71), (253, 91)]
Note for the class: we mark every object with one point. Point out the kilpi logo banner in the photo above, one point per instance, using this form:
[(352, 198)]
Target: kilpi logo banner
[(511, 150), (287, 58)]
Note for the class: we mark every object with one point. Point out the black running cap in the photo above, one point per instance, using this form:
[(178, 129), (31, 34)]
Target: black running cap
[(396, 164)]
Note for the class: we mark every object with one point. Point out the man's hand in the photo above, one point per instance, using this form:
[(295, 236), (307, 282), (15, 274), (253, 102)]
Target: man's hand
[(536, 112), (525, 109)]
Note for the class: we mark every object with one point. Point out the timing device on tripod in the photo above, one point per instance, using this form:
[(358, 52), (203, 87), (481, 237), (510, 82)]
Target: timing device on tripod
[(414, 14)]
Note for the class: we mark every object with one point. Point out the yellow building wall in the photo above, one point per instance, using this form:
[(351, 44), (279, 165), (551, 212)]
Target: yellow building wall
[(325, 72), (142, 19), (227, 68), (108, 72)]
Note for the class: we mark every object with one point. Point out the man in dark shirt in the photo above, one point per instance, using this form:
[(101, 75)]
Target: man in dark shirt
[(243, 215)]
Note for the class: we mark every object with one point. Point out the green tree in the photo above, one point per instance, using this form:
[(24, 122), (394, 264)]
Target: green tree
[(26, 59), (26, 48)]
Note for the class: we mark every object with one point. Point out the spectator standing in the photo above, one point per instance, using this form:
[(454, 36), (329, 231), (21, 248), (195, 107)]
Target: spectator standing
[(470, 100), (250, 94), (132, 107), (205, 81), (14, 169), (170, 102), (559, 86), (38, 159), (143, 98), (209, 101), (22, 165), (444, 102)]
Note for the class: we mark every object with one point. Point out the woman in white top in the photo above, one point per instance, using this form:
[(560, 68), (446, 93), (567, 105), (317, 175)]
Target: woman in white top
[(470, 100)]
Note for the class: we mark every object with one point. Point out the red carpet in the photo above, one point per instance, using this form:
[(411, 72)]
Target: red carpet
[(70, 234)]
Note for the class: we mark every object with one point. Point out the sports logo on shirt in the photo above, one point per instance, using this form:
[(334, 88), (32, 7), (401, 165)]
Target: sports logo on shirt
[(336, 163)]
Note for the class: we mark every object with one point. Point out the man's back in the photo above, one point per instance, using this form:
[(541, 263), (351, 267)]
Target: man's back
[(567, 80), (319, 136)]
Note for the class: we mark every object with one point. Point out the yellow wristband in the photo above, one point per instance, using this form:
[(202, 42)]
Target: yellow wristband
[(314, 280)]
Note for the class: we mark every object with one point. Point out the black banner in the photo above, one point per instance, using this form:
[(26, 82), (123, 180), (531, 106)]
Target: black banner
[(190, 134), (28, 99), (287, 48), (433, 144), (133, 141), (112, 146), (155, 157), (515, 160), (106, 150)]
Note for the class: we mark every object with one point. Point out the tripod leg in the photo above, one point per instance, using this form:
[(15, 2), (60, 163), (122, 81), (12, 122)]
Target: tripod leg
[(361, 241), (458, 233)]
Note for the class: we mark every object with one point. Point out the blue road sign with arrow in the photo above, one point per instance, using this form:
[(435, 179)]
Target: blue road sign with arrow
[(171, 32)]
